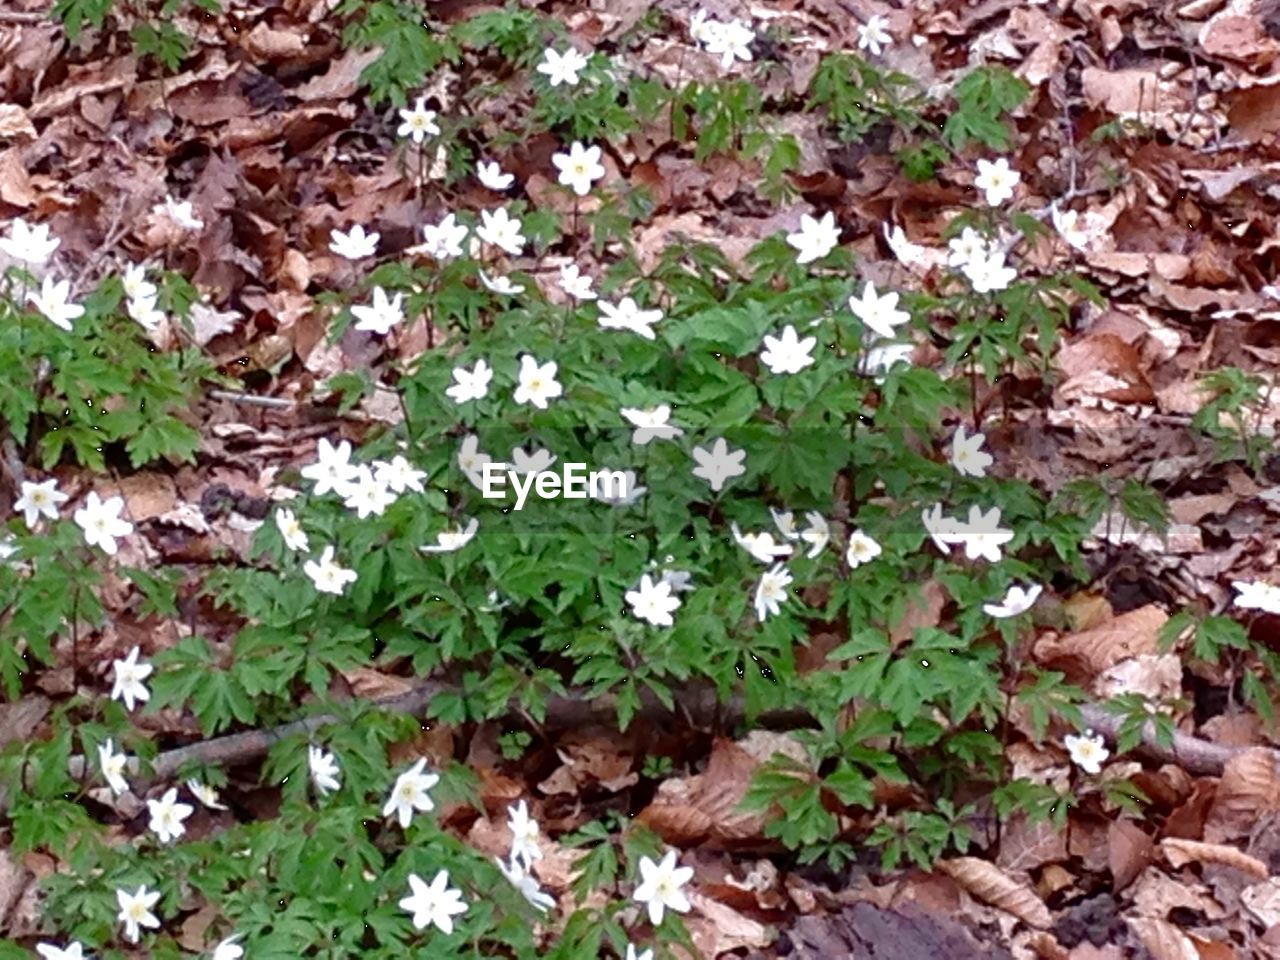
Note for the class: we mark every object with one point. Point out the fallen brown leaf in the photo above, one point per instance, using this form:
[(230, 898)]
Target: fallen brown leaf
[(992, 885)]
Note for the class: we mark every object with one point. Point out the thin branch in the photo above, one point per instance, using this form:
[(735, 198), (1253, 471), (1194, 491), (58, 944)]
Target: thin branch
[(1191, 753), (698, 702)]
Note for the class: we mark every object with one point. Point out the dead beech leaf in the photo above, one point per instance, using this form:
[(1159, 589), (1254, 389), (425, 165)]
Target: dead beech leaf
[(1248, 790), (721, 928), (15, 185), (15, 123), (1131, 634), (1162, 939), (704, 808), (1104, 359), (992, 885), (1181, 852), (1028, 846), (342, 79), (1129, 850), (1263, 901)]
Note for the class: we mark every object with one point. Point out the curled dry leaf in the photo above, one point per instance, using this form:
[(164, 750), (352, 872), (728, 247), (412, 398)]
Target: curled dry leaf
[(1181, 852), (1103, 365), (1131, 634), (1263, 901), (1162, 939), (721, 929), (1248, 790), (990, 884), (705, 807)]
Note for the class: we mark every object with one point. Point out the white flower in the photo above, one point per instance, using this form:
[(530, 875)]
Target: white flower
[(113, 766), (499, 228), (228, 949), (1067, 223), (333, 469), (982, 535), (816, 238), (879, 313), (471, 459), (418, 122), (135, 911), (167, 815), (990, 274), (444, 240), (788, 353), (448, 541), (680, 581), (785, 521), (136, 285), (503, 286), (771, 591), (39, 499), (761, 546), (128, 680), (653, 602), (53, 300), (908, 253), (537, 382), (470, 384), (575, 283), (627, 315), (327, 575), (1257, 595), (143, 311), (355, 245), (861, 549), (409, 794), (944, 530), (491, 176), (996, 181), (101, 522), (562, 68), (524, 835), (1088, 752), (817, 534), (719, 464), (182, 213), (324, 769), (525, 462), (579, 168), (964, 249), (399, 475), (206, 794), (700, 28), (434, 905), (629, 492), (730, 41), (651, 423), (8, 547), (74, 951), (881, 359), (873, 35), (632, 955), (368, 494), (527, 884), (381, 315), (29, 244), (660, 886), (295, 538), (967, 456), (1015, 602)]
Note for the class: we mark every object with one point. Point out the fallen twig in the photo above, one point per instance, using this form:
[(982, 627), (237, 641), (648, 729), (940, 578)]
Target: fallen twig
[(1191, 753), (697, 702)]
